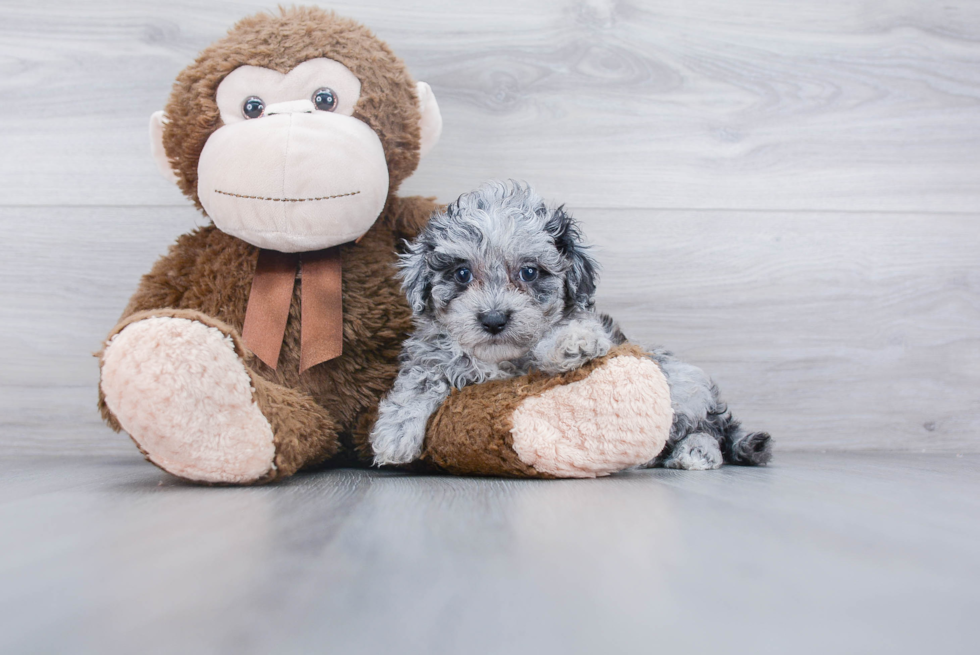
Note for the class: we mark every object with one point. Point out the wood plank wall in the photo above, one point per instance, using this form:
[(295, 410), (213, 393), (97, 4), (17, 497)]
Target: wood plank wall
[(784, 193)]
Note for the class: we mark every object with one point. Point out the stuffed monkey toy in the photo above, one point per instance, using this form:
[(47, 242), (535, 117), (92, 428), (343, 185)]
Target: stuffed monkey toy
[(261, 344)]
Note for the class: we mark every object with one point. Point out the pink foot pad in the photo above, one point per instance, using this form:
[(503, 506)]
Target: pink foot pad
[(616, 418), (182, 393)]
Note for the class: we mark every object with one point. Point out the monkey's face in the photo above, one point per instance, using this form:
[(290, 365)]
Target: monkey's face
[(292, 130), (291, 169)]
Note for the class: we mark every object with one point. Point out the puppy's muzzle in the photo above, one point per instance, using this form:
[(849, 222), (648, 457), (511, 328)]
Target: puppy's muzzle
[(494, 322)]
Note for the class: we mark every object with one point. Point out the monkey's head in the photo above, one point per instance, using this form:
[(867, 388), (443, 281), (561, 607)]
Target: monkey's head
[(292, 131)]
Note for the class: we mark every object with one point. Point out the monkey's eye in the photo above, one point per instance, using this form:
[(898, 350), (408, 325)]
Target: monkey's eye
[(325, 99), (463, 275), (253, 107), (528, 274)]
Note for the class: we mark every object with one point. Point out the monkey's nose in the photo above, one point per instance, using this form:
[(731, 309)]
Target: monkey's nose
[(494, 322), (291, 107)]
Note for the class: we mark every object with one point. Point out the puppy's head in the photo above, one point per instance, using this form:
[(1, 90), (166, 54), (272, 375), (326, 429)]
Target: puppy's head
[(497, 269)]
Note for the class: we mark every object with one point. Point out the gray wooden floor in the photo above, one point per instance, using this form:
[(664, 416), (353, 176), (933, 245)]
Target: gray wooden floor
[(819, 553)]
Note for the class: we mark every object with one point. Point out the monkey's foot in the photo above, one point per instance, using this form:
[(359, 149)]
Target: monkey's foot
[(612, 414), (617, 417), (180, 390)]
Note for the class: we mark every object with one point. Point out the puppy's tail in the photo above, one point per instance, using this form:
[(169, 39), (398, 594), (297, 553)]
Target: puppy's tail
[(737, 445)]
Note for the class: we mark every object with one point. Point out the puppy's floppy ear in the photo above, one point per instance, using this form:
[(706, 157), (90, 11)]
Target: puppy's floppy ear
[(416, 276), (580, 280)]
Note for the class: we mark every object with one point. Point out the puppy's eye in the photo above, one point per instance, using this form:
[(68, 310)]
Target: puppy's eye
[(253, 107), (463, 275), (528, 274), (325, 99)]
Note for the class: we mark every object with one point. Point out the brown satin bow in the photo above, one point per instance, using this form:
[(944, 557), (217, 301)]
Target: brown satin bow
[(321, 320)]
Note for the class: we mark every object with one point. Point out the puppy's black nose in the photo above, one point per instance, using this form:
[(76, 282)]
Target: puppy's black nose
[(494, 322)]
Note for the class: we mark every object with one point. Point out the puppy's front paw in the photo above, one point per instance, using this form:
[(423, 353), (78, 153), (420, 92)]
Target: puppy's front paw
[(572, 345), (397, 437)]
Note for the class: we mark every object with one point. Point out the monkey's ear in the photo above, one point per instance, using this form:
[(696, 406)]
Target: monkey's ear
[(430, 122), (157, 121)]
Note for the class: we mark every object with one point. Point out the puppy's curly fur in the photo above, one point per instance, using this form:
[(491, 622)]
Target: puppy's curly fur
[(499, 284)]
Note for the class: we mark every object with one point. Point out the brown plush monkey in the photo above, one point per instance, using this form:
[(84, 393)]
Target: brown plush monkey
[(261, 344)]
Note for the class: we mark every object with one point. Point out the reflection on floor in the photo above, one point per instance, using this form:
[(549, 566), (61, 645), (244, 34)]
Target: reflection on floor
[(819, 553)]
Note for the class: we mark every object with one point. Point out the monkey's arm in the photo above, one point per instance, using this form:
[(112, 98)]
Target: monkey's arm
[(184, 277)]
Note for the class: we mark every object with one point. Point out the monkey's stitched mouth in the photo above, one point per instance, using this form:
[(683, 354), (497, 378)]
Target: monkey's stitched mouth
[(238, 195)]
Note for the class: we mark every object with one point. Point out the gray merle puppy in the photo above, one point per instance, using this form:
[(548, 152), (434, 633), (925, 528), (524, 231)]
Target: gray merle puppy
[(501, 284)]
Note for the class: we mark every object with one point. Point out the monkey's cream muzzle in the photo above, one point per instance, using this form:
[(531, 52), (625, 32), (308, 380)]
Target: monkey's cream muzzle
[(294, 180)]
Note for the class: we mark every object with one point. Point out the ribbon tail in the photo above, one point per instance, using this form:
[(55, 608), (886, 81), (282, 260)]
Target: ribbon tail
[(322, 323), (268, 305)]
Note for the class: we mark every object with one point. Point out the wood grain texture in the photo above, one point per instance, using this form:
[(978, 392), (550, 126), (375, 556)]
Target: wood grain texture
[(833, 291), (767, 105), (839, 553), (828, 330), (64, 282)]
